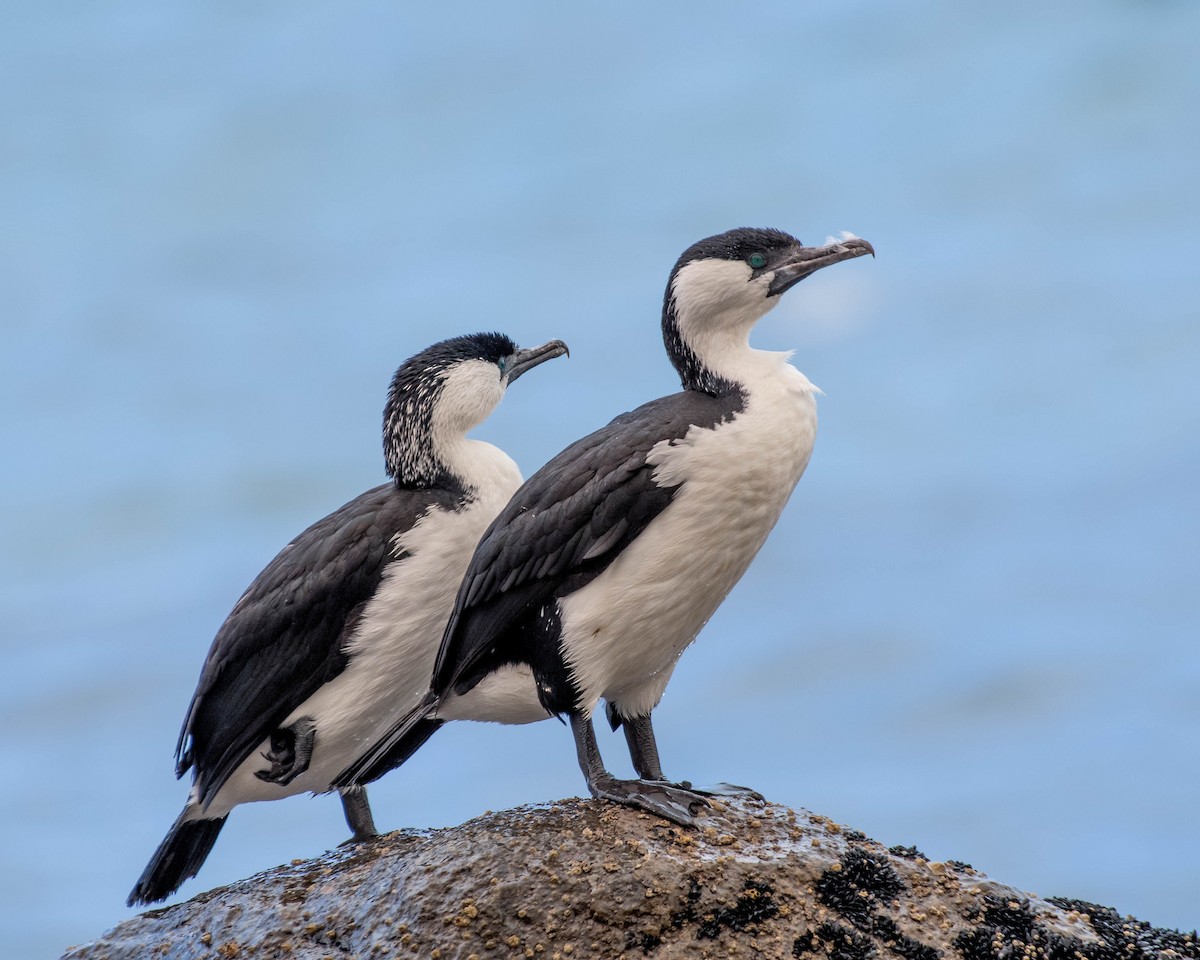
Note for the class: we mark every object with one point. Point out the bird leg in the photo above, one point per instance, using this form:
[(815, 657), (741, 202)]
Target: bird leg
[(664, 799), (357, 808), (290, 753), (643, 751)]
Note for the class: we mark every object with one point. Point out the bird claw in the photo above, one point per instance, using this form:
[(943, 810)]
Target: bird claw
[(290, 753), (356, 839), (667, 800)]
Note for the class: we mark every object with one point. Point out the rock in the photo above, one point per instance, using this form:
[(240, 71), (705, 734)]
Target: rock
[(586, 879)]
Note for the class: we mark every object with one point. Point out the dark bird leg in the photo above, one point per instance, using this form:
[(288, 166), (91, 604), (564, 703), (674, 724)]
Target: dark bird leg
[(643, 751), (357, 808), (290, 753), (664, 799)]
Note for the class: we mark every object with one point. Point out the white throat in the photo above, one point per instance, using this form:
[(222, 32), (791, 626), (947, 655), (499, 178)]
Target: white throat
[(472, 390), (716, 305)]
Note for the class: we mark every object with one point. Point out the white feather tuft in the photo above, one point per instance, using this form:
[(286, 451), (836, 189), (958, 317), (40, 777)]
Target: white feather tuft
[(842, 237)]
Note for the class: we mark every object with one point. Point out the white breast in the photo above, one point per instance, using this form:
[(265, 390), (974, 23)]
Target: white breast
[(624, 632)]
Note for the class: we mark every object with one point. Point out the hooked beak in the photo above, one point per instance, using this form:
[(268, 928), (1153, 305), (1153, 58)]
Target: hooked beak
[(524, 360), (805, 261)]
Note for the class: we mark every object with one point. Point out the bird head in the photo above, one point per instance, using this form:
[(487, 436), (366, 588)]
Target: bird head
[(724, 284), (444, 391)]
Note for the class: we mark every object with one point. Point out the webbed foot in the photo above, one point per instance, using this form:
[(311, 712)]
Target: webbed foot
[(720, 790), (668, 800)]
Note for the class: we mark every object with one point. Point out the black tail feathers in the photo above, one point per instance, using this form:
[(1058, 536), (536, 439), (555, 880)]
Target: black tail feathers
[(180, 856)]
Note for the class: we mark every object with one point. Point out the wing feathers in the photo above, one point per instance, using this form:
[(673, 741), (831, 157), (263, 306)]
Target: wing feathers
[(605, 541)]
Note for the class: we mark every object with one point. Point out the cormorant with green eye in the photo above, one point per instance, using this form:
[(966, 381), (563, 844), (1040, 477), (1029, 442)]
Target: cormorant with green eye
[(609, 560)]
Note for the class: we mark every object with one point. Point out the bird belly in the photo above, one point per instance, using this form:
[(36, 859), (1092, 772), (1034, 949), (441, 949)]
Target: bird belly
[(624, 631), (507, 695), (391, 656)]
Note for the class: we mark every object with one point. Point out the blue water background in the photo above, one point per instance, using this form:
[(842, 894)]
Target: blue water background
[(975, 628)]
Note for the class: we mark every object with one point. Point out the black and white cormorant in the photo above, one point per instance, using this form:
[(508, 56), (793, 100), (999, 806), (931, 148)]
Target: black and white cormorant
[(336, 638), (610, 559)]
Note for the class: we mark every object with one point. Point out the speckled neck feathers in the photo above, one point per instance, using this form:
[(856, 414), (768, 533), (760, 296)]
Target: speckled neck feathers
[(434, 399)]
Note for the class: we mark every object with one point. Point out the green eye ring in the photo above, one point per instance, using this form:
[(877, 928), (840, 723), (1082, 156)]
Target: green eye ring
[(757, 261)]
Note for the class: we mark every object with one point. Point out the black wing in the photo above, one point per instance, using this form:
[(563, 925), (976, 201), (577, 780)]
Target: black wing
[(286, 635), (562, 528)]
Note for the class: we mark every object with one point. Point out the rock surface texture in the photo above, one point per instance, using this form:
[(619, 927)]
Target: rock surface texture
[(584, 879)]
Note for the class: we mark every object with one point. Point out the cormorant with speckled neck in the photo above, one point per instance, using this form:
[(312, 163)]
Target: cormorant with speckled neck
[(336, 638)]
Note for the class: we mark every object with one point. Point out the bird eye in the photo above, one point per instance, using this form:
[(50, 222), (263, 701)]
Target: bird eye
[(757, 261), (502, 363)]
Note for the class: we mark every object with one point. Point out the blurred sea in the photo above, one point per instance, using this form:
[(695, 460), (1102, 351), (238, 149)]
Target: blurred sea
[(975, 628)]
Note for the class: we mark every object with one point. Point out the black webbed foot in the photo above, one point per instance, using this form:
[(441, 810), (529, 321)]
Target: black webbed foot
[(290, 753), (720, 790), (666, 800)]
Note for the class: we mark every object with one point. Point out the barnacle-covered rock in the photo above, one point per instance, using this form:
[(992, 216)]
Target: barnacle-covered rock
[(585, 879)]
